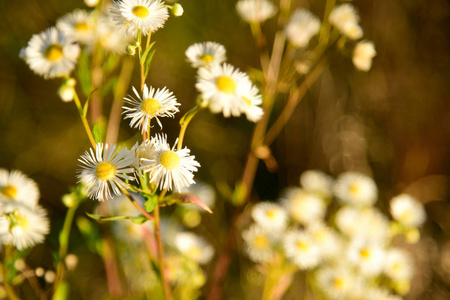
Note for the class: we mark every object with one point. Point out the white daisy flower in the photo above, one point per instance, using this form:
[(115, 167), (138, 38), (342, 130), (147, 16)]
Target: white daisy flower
[(398, 265), (78, 25), (407, 210), (170, 169), (270, 216), (23, 226), (152, 104), (317, 182), (205, 54), (356, 189), (194, 247), (51, 53), (367, 223), (302, 26), (146, 15), (255, 11), (259, 244), (368, 257), (326, 238), (363, 54), (223, 88), (104, 170), (16, 186), (337, 282), (303, 207), (300, 247), (346, 19)]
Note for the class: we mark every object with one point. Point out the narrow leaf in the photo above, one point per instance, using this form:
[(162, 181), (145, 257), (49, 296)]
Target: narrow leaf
[(104, 218), (148, 61), (97, 134), (86, 104), (138, 220), (187, 198), (144, 55)]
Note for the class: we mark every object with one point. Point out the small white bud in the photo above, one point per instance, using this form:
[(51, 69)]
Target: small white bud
[(66, 92), (91, 3)]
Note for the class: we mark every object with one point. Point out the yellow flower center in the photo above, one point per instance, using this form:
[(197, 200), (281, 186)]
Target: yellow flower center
[(226, 84), (271, 213), (170, 160), (364, 253), (338, 283), (140, 11), (354, 189), (9, 191), (53, 52), (82, 26), (150, 106), (194, 252), (260, 242), (207, 58), (105, 171), (302, 246)]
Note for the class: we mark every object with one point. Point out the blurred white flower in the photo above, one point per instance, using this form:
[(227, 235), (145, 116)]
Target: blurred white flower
[(346, 19), (363, 54), (23, 226), (79, 25), (16, 186), (255, 11), (317, 182), (194, 247), (205, 54), (407, 210), (337, 282), (368, 257), (270, 216), (300, 247), (259, 244), (356, 189), (302, 26), (398, 265), (303, 207)]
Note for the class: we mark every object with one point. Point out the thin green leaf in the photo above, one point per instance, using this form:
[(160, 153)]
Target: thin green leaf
[(182, 198), (86, 104), (144, 55), (148, 61), (84, 72), (138, 220)]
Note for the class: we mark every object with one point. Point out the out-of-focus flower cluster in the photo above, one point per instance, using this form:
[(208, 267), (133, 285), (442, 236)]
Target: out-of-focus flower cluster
[(332, 230), (23, 223)]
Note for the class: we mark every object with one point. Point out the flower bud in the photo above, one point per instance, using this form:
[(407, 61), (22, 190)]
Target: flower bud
[(177, 10), (131, 50)]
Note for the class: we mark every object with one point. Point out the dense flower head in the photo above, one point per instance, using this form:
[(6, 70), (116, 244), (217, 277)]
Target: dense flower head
[(144, 15), (398, 265), (255, 11), (259, 243), (16, 186), (317, 182), (302, 26), (169, 168), (205, 54), (303, 207), (79, 25), (104, 170), (154, 103), (269, 215), (51, 53), (299, 246)]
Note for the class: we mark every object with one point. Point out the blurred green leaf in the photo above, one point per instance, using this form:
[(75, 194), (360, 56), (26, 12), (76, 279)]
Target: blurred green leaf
[(148, 61), (62, 291), (150, 204), (144, 55), (84, 72)]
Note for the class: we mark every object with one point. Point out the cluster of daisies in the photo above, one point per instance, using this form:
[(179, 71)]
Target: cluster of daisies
[(55, 51), (185, 251), (23, 223), (303, 26), (223, 88), (348, 246)]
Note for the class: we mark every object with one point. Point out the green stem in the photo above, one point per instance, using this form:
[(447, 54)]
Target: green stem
[(184, 122), (162, 271), (76, 100), (64, 244), (5, 280)]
